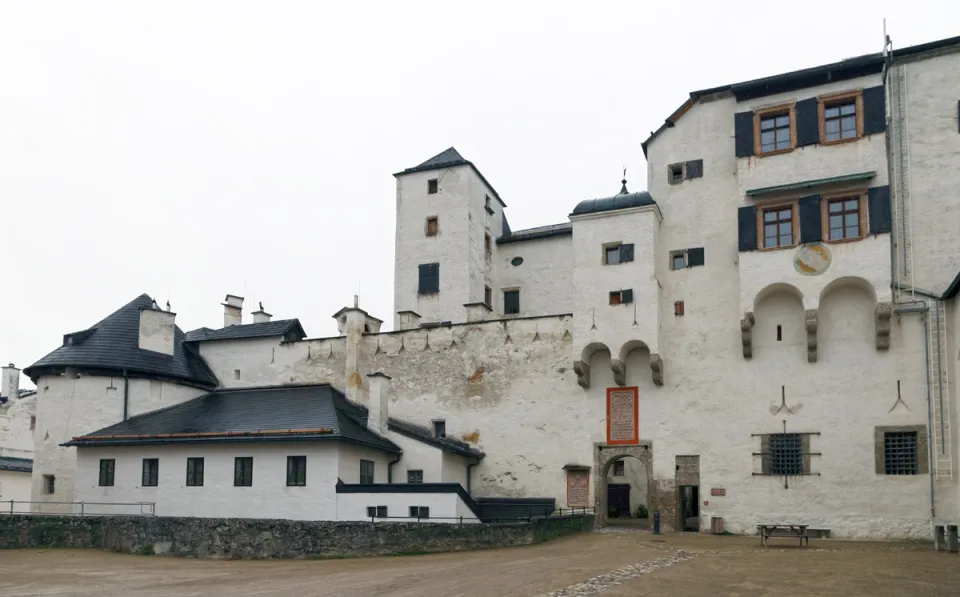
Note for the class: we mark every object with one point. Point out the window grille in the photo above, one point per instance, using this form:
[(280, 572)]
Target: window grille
[(900, 453)]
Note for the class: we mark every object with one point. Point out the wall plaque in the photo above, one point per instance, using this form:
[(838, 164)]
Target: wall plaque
[(578, 488), (718, 491), (623, 416)]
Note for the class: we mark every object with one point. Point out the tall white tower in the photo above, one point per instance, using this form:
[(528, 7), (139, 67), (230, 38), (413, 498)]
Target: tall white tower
[(448, 220)]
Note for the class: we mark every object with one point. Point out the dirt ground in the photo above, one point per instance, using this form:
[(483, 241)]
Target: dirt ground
[(610, 563)]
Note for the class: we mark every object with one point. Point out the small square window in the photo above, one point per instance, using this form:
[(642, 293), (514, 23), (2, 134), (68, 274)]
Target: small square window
[(611, 255), (243, 471), (678, 260), (151, 472), (775, 131), (440, 429), (621, 297), (675, 173), (107, 468), (432, 186), (296, 471), (376, 511), (49, 484), (678, 308), (414, 476), (419, 512), (366, 472), (432, 226), (615, 297), (614, 253), (194, 472), (900, 453), (618, 468)]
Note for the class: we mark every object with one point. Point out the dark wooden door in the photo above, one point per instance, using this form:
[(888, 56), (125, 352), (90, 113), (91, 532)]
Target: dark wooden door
[(618, 496)]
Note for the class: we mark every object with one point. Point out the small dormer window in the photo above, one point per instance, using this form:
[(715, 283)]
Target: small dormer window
[(439, 429)]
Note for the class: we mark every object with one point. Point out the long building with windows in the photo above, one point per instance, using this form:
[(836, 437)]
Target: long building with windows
[(767, 334)]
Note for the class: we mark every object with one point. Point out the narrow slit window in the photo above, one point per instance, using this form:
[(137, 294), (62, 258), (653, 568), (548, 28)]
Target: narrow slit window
[(779, 333)]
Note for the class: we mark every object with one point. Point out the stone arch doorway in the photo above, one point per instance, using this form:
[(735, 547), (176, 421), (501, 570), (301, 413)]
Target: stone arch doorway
[(604, 457)]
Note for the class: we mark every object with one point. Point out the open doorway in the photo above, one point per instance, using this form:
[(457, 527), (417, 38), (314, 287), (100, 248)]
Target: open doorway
[(622, 483), (688, 510)]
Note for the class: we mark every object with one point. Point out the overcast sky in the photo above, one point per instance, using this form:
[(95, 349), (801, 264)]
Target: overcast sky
[(193, 149)]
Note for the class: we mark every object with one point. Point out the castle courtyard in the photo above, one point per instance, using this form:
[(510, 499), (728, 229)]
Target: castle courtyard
[(608, 563)]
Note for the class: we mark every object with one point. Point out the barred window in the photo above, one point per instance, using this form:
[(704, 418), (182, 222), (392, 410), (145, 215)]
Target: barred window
[(786, 454), (900, 453)]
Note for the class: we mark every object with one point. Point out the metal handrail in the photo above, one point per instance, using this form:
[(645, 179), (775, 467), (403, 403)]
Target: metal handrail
[(146, 508)]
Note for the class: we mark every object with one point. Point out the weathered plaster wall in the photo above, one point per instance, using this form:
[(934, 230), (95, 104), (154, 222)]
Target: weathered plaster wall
[(15, 433), (14, 486), (71, 406), (930, 132), (545, 278), (244, 538)]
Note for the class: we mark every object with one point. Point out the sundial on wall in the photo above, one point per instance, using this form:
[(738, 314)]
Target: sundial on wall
[(812, 259)]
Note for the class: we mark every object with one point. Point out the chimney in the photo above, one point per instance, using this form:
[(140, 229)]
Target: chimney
[(379, 403), (157, 330), (261, 316), (232, 310), (11, 382), (409, 320)]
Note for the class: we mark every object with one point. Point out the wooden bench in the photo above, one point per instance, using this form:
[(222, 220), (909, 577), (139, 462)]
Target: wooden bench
[(783, 531)]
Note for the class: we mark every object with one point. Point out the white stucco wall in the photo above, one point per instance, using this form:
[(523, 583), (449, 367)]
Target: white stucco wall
[(444, 507), (71, 406), (16, 487), (545, 278), (15, 432), (417, 456)]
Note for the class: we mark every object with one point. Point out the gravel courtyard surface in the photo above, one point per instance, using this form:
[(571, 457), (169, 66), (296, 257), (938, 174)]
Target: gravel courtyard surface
[(608, 563)]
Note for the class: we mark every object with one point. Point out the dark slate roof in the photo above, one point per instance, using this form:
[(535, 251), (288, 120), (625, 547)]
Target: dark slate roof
[(535, 233), (851, 68), (621, 201), (953, 289), (425, 435), (276, 413), (16, 465), (450, 158), (112, 345), (266, 329)]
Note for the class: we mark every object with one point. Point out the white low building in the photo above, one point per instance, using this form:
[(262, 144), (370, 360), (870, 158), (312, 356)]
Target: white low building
[(17, 420), (769, 335)]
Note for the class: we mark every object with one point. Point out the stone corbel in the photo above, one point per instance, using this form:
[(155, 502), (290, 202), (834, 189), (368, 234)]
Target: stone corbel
[(883, 312), (583, 373), (619, 372), (656, 367), (811, 320), (746, 333)]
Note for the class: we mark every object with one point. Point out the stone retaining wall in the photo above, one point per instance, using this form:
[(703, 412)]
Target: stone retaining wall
[(253, 538)]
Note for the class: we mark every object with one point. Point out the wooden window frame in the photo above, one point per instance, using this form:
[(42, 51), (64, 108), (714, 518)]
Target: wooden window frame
[(413, 473), (436, 226), (373, 472), (150, 472), (825, 200), (758, 115), (831, 98), (794, 205), (108, 469), (296, 465), (195, 475)]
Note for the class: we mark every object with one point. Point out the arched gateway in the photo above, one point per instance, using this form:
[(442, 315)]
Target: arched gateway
[(604, 455)]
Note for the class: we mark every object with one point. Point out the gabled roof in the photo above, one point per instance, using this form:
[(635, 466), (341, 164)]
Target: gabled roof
[(16, 465), (534, 233), (450, 158), (266, 329), (868, 64), (112, 345), (422, 434), (953, 289), (276, 413)]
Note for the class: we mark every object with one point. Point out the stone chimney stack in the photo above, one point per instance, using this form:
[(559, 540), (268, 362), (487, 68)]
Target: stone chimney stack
[(261, 316), (477, 312), (157, 330), (232, 310), (409, 320), (379, 406), (11, 382)]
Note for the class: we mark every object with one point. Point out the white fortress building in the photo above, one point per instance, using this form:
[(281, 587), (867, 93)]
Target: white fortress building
[(768, 334)]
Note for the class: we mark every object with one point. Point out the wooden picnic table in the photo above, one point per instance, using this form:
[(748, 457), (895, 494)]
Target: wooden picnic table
[(788, 531)]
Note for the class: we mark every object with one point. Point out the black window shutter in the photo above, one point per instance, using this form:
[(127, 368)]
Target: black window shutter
[(626, 253), (878, 200), (811, 219), (695, 257), (874, 110), (808, 122), (743, 131), (747, 224), (511, 301), (694, 169), (626, 296), (430, 277)]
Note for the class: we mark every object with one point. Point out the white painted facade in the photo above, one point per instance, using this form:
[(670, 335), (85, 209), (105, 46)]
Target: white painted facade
[(821, 360), (14, 487)]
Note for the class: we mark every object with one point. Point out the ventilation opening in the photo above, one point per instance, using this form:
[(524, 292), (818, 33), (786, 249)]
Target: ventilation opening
[(779, 333)]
